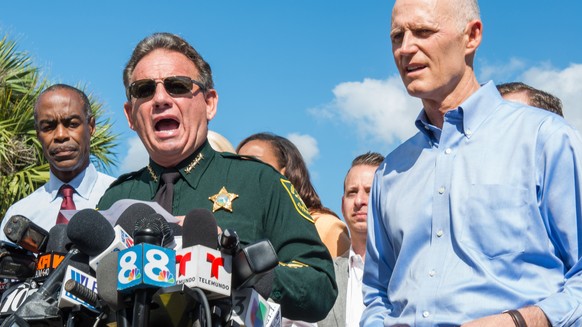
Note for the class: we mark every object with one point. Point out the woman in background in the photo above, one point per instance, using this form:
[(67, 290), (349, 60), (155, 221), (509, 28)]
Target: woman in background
[(284, 156)]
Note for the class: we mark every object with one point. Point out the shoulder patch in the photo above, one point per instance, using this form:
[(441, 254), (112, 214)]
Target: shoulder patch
[(296, 199)]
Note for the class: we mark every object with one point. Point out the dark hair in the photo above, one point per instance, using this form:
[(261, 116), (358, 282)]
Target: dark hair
[(289, 157), (87, 110), (169, 42), (367, 159), (537, 98)]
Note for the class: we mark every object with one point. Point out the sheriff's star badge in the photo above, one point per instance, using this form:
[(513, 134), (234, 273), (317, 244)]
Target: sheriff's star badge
[(222, 200)]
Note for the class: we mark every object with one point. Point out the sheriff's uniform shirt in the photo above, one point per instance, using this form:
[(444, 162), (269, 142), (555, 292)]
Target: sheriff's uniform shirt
[(257, 202)]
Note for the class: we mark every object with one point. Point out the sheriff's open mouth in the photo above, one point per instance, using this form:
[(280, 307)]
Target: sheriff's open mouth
[(166, 125)]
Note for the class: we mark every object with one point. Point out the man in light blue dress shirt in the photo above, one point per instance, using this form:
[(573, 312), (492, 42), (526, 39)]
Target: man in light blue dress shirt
[(64, 124), (475, 220)]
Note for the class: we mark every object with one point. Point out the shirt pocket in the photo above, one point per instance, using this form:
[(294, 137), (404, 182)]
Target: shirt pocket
[(496, 220)]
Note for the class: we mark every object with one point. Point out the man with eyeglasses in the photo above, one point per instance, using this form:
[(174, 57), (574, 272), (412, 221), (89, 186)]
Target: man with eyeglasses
[(170, 100)]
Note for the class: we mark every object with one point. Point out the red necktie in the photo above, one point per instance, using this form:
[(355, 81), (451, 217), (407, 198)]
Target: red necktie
[(67, 192)]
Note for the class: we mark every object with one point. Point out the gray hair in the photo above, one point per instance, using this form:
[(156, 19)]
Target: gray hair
[(169, 42), (467, 10)]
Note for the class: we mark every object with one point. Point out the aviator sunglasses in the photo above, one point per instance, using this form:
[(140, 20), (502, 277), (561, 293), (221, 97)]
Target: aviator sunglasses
[(174, 85)]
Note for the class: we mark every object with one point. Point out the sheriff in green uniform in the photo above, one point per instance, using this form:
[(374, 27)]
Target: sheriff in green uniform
[(170, 102)]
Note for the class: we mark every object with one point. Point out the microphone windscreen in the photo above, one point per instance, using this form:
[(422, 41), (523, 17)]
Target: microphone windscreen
[(176, 229), (157, 220), (107, 281), (129, 217), (150, 229), (90, 232), (200, 228), (58, 240)]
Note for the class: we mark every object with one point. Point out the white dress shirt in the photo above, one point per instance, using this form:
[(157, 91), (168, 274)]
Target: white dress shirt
[(354, 298), (43, 205)]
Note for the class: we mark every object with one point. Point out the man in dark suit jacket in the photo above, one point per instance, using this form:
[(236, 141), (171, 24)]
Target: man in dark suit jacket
[(349, 266)]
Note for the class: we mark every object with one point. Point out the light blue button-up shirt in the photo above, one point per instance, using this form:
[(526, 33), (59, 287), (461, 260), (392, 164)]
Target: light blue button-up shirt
[(481, 216), (43, 205)]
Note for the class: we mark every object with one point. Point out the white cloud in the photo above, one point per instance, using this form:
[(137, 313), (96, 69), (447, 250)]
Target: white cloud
[(566, 84), (307, 145), (500, 73), (377, 109), (137, 157)]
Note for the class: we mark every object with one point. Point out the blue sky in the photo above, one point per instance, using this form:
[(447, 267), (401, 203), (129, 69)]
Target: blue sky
[(318, 72)]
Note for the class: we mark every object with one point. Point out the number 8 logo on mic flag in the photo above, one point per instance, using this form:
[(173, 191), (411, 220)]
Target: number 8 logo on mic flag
[(158, 265)]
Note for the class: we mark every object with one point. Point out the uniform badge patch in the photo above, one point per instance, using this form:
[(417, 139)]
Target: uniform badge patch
[(222, 200), (296, 199)]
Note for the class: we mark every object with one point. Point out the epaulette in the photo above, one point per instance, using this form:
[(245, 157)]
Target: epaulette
[(230, 155), (125, 177)]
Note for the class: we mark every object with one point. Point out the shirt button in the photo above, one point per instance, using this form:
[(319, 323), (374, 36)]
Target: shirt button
[(426, 127), (432, 273), (441, 190), (439, 233), (425, 314), (469, 132), (448, 151)]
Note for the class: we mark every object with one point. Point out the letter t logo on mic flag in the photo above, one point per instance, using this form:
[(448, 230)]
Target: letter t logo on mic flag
[(216, 262), (182, 260), (205, 268)]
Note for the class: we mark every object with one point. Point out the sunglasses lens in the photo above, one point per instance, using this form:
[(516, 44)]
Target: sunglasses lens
[(174, 85), (178, 85), (143, 88)]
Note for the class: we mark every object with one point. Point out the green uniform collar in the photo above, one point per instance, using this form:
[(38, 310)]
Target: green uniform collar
[(191, 169)]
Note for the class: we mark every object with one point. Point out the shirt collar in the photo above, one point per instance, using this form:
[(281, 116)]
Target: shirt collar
[(82, 183), (479, 106), (355, 259), (188, 168), (474, 111)]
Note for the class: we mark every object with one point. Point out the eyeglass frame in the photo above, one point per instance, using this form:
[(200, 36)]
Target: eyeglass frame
[(157, 81)]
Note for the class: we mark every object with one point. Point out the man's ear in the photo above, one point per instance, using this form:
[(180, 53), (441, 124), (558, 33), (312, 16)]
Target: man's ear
[(128, 109), (91, 125), (474, 34), (211, 98)]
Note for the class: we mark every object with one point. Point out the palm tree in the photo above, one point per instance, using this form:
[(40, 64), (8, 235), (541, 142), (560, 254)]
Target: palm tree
[(23, 167)]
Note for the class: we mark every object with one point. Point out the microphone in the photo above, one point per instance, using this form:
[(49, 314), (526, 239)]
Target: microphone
[(198, 263), (103, 238), (252, 262), (107, 286), (79, 281), (82, 292), (229, 241), (25, 233), (201, 229), (15, 262), (145, 265), (132, 214), (15, 295), (146, 225), (42, 302), (251, 309), (57, 247)]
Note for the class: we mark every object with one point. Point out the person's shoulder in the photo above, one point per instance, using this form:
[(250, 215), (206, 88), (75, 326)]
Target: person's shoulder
[(247, 163), (32, 199), (127, 178), (105, 179)]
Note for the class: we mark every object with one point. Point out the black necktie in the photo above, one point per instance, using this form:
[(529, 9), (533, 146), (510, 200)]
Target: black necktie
[(165, 193)]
